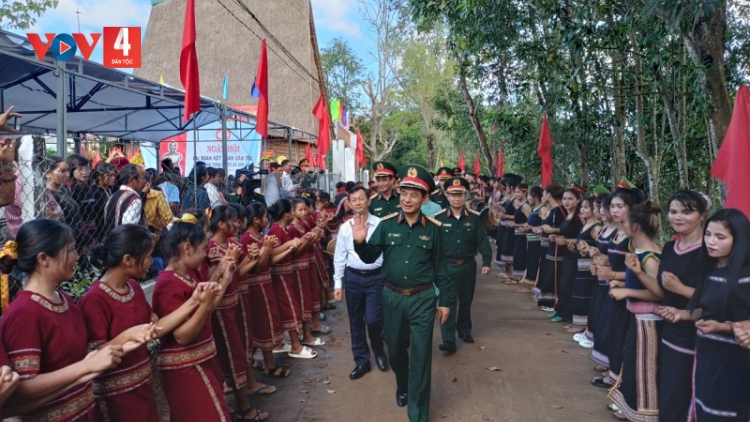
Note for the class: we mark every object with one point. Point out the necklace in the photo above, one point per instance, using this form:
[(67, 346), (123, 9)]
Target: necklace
[(682, 240)]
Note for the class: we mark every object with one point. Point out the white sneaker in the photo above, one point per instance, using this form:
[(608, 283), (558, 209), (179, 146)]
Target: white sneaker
[(586, 344), (579, 337), (547, 309)]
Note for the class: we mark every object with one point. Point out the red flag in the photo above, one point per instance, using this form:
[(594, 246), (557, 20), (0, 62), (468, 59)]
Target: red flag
[(309, 155), (500, 161), (477, 169), (731, 163), (324, 130), (261, 83), (361, 160), (462, 162), (544, 150), (189, 64)]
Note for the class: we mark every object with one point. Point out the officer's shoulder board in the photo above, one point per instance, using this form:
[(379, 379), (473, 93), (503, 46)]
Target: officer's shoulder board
[(473, 212), (436, 191), (441, 211), (433, 221), (389, 216), (374, 196)]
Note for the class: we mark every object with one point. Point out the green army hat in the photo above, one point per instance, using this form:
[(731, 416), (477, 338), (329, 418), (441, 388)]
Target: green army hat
[(414, 176), (457, 184), (445, 173), (381, 168), (304, 161)]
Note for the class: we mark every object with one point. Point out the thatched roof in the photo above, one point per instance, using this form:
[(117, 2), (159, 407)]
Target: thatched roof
[(225, 46)]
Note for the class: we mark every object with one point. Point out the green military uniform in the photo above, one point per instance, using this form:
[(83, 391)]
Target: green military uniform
[(413, 259), (438, 196), (463, 236), (379, 205), (307, 180)]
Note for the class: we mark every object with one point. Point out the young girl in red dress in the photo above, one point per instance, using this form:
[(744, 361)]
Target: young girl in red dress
[(244, 317), (268, 335), (319, 269), (187, 358), (233, 355), (282, 276), (301, 270), (43, 333), (112, 305)]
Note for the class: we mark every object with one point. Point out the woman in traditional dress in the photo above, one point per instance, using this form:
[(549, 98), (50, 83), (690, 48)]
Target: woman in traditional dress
[(187, 358), (566, 237), (229, 330), (550, 263), (520, 218), (721, 374), (284, 284), (301, 269), (264, 311), (499, 210), (636, 393), (584, 283), (509, 239), (115, 303), (533, 240), (623, 200), (679, 273), (318, 269), (596, 335), (43, 330)]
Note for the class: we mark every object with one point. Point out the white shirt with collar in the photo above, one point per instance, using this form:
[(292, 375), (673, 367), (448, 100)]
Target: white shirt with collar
[(132, 214), (345, 255), (213, 195), (287, 185)]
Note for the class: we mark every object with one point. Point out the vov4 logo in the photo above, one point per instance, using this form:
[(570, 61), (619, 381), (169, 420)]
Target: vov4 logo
[(121, 44)]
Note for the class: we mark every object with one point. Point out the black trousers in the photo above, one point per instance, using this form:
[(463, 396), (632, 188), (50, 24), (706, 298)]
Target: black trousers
[(364, 302)]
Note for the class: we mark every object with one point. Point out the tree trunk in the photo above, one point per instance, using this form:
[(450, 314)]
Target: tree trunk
[(705, 46), (431, 149), (674, 127), (484, 146)]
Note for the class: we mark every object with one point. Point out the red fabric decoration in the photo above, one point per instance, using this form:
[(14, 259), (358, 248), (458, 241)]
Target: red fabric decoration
[(731, 165), (462, 163), (324, 130), (189, 64), (544, 150)]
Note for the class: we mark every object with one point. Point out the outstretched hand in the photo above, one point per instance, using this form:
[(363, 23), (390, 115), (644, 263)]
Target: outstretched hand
[(359, 228)]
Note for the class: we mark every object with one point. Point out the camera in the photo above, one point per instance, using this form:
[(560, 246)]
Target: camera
[(249, 171)]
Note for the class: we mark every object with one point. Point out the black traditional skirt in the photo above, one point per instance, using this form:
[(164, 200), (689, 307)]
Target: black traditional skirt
[(565, 283), (600, 354), (619, 320), (499, 239), (546, 288), (677, 351), (509, 246), (583, 290), (721, 380), (533, 250), (519, 255)]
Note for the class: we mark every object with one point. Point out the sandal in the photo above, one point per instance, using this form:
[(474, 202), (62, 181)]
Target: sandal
[(329, 307), (503, 276), (575, 330), (317, 342), (619, 416), (579, 337), (568, 327), (260, 391), (322, 317), (323, 330), (599, 382), (277, 372), (306, 353), (258, 366), (601, 368), (257, 416), (285, 349)]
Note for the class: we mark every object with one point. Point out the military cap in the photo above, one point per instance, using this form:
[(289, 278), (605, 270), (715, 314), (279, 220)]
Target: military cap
[(625, 184), (381, 168), (414, 176), (304, 161), (445, 173), (599, 190), (457, 171), (456, 184)]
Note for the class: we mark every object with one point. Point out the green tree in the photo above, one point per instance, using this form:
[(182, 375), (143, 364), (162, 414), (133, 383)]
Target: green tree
[(15, 14), (344, 73)]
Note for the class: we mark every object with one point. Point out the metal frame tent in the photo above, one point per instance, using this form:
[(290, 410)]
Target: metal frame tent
[(82, 97)]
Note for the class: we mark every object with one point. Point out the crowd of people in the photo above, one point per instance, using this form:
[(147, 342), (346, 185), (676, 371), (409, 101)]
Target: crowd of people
[(242, 275), (667, 325)]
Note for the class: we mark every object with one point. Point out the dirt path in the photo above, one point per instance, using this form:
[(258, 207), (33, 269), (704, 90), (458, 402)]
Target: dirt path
[(545, 375)]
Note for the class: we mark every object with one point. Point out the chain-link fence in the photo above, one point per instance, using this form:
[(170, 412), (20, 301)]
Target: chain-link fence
[(94, 188)]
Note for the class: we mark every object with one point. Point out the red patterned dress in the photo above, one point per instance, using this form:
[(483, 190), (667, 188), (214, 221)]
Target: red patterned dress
[(230, 345), (244, 315), (124, 393), (41, 336), (321, 266), (189, 374), (264, 311), (284, 285), (301, 272)]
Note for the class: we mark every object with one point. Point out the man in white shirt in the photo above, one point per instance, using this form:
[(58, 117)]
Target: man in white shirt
[(288, 188), (364, 289), (214, 195)]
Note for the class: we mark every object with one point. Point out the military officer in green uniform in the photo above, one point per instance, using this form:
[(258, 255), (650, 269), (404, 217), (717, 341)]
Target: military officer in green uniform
[(308, 180), (463, 235), (386, 200), (413, 262), (438, 197)]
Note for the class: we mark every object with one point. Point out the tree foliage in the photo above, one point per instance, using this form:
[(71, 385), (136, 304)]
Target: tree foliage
[(22, 14)]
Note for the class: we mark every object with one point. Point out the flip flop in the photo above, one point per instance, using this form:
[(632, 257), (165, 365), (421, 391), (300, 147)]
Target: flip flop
[(599, 382), (601, 368), (317, 342), (306, 353), (324, 330), (275, 373), (259, 390), (574, 329), (525, 290), (286, 349)]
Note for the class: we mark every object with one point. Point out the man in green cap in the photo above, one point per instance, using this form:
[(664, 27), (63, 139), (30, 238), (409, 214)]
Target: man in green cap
[(309, 176), (463, 235), (413, 262), (385, 201), (438, 196)]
